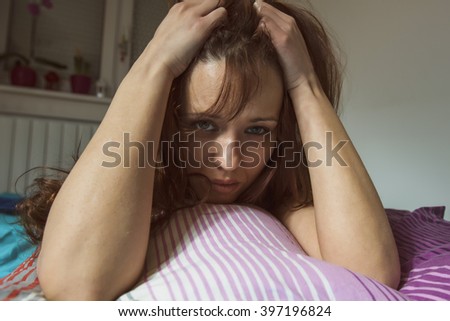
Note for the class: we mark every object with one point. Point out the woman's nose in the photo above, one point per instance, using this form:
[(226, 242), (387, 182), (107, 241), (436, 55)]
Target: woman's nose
[(227, 153)]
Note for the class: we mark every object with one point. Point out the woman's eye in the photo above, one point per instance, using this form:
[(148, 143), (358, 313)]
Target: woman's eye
[(257, 130), (204, 125)]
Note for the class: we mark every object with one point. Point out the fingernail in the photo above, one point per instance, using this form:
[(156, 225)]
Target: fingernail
[(257, 5), (262, 25)]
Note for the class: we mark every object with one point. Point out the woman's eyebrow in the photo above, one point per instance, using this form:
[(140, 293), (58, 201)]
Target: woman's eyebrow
[(206, 115), (255, 120), (199, 115)]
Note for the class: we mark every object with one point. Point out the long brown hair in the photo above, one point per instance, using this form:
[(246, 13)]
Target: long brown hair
[(245, 50)]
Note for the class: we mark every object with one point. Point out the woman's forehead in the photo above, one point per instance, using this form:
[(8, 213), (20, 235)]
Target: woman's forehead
[(205, 86)]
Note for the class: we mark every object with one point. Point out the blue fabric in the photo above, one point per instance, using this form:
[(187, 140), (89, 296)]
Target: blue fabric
[(8, 202), (14, 246)]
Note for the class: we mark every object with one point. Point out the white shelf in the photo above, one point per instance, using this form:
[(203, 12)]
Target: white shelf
[(53, 94), (52, 104)]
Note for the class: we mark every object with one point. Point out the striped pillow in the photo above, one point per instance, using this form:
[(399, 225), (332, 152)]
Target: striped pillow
[(217, 252)]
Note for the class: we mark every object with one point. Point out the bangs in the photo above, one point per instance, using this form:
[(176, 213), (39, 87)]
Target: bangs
[(240, 83)]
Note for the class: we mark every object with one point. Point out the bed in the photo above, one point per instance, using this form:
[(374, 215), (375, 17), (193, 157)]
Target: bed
[(232, 252)]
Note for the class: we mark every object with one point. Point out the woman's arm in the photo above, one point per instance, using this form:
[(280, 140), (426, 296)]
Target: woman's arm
[(348, 225), (95, 240)]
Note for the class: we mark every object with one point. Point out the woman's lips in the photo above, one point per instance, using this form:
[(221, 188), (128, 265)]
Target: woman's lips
[(224, 186)]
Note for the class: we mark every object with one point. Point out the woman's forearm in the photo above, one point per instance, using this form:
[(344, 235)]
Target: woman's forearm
[(96, 236), (95, 241), (352, 227)]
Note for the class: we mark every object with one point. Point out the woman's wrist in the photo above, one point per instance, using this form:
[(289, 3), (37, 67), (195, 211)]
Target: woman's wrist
[(307, 94), (150, 66)]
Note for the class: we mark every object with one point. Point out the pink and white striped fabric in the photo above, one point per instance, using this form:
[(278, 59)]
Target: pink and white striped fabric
[(217, 252), (423, 241)]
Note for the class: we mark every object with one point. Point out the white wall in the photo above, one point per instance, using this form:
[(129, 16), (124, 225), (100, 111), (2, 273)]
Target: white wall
[(396, 104), (147, 17)]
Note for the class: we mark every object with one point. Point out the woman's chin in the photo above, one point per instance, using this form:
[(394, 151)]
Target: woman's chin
[(217, 194), (221, 199)]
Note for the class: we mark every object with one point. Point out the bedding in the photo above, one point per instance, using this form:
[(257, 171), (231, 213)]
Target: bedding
[(232, 252), (8, 202), (14, 247)]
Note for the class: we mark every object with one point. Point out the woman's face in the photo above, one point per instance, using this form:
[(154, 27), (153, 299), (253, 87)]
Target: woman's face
[(230, 154)]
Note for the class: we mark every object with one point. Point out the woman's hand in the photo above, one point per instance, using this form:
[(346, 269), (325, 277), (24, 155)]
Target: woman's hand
[(289, 43), (182, 33)]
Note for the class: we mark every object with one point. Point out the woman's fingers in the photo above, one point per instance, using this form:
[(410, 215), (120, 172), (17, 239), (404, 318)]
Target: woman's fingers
[(270, 11), (212, 11), (289, 43), (183, 32), (202, 7), (280, 23), (207, 6), (271, 27), (214, 18)]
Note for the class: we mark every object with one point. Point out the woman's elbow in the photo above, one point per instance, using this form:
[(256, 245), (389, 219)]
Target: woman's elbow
[(64, 287), (55, 290), (388, 271), (391, 278)]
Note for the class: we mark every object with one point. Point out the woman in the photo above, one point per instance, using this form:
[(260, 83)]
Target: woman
[(229, 73)]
